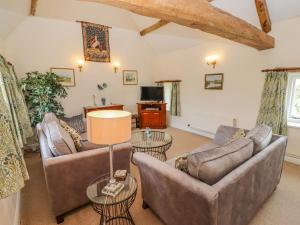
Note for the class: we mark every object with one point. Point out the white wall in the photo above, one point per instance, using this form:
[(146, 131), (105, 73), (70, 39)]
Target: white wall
[(41, 43), (243, 83)]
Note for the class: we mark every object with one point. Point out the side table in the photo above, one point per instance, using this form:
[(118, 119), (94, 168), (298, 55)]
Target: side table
[(113, 210)]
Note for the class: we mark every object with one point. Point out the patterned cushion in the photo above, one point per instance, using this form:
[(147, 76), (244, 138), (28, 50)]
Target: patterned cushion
[(73, 133), (59, 141), (261, 136), (237, 135), (181, 164), (76, 122)]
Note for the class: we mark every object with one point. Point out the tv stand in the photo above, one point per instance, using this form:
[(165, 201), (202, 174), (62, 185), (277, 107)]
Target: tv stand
[(152, 115)]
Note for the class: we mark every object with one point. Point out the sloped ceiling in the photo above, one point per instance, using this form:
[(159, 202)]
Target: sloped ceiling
[(12, 12), (167, 38)]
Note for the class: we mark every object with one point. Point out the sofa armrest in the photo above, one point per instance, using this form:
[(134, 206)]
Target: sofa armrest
[(68, 176), (175, 196)]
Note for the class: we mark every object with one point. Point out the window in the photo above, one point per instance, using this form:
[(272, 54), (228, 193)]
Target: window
[(294, 99), (168, 94)]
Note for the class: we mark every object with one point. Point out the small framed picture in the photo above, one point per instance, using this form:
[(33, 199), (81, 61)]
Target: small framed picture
[(66, 76), (130, 77), (214, 81)]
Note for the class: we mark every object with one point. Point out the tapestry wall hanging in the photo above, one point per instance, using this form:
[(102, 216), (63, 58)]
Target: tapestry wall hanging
[(95, 42)]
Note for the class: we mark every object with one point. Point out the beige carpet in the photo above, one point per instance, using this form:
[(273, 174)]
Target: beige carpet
[(281, 209)]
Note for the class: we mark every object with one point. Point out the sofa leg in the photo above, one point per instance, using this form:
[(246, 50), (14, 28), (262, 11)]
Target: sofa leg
[(145, 205), (60, 219)]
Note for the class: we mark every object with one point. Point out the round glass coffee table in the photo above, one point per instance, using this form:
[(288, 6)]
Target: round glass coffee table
[(156, 145), (113, 210)]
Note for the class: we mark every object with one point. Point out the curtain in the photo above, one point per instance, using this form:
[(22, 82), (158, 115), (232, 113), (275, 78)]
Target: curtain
[(273, 103), (14, 129), (175, 99)]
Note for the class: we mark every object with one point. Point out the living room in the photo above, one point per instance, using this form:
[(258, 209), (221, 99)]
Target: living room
[(40, 35)]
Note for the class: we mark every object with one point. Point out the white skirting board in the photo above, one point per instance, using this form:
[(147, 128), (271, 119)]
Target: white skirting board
[(292, 159)]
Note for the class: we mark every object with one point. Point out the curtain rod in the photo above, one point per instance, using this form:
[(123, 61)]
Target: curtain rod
[(283, 69), (79, 21), (167, 81)]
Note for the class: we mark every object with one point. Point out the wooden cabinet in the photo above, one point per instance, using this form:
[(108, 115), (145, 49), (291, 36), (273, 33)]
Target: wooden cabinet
[(88, 109), (152, 114)]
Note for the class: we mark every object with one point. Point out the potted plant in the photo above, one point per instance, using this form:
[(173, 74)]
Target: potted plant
[(41, 91)]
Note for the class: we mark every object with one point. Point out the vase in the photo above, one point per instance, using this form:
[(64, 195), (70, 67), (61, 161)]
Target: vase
[(103, 100)]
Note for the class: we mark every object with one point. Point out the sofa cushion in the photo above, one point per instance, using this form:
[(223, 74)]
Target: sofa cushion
[(240, 133), (59, 141), (49, 117), (205, 147), (76, 122), (261, 136), (224, 134), (73, 133), (212, 165)]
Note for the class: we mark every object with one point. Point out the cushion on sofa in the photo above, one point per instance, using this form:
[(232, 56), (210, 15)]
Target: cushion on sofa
[(49, 117), (240, 133), (73, 133), (224, 134), (205, 147), (59, 141), (75, 122), (261, 136), (212, 165)]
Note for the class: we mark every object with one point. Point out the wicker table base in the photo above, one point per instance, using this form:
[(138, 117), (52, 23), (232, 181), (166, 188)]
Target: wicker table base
[(156, 145), (113, 210)]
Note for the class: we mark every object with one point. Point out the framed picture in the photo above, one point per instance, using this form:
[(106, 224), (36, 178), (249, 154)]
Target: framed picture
[(66, 76), (214, 81), (130, 77), (95, 42)]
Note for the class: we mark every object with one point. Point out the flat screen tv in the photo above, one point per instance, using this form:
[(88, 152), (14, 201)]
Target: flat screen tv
[(152, 93)]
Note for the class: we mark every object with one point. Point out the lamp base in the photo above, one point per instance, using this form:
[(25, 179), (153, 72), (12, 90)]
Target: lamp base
[(113, 188)]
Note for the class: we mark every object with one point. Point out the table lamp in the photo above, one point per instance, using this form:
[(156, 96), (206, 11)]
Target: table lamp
[(109, 127)]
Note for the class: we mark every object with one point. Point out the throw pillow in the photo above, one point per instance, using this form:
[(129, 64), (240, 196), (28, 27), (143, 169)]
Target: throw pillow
[(261, 136), (181, 164), (59, 141), (212, 165), (73, 133), (76, 122), (237, 135)]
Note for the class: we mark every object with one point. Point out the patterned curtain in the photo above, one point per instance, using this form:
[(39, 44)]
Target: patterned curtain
[(273, 103), (14, 130), (175, 99)]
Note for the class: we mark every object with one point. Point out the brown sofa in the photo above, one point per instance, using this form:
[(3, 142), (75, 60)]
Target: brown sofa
[(180, 199), (68, 176)]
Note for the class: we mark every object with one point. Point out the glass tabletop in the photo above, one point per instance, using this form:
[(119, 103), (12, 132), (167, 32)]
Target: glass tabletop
[(156, 139), (95, 188)]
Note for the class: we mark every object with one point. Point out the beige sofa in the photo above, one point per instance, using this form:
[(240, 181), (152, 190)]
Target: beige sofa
[(68, 176), (180, 199)]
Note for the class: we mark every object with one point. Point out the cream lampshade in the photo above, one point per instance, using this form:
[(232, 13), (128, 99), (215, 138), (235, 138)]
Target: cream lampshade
[(109, 127)]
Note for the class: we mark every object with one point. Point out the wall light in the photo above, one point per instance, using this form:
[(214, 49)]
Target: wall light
[(116, 66), (80, 64), (212, 60)]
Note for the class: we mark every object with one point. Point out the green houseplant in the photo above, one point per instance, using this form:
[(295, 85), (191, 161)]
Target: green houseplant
[(41, 91)]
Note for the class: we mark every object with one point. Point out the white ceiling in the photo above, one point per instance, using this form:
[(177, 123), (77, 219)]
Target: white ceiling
[(167, 38)]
